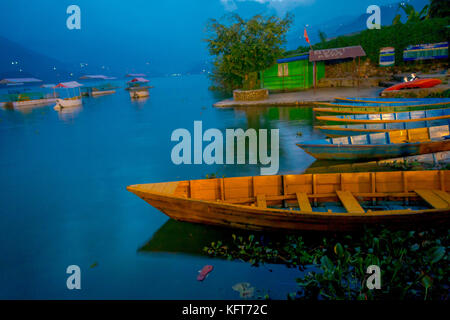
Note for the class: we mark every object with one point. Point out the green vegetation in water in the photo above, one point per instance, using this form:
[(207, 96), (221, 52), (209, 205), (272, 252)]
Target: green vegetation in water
[(413, 264)]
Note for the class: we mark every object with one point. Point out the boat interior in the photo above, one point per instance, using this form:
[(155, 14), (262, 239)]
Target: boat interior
[(335, 192)]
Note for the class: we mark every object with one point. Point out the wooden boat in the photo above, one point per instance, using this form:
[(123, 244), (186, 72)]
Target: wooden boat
[(383, 145), (375, 109), (428, 160), (321, 202), (379, 100), (397, 117), (419, 83), (404, 106), (359, 129)]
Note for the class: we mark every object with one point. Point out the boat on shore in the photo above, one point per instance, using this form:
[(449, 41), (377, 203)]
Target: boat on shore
[(320, 202), (418, 83), (383, 145), (397, 117), (333, 131)]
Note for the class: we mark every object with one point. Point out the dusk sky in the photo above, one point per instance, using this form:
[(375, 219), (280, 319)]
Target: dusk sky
[(167, 34)]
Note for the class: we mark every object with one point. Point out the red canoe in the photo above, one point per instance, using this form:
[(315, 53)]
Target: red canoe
[(419, 83)]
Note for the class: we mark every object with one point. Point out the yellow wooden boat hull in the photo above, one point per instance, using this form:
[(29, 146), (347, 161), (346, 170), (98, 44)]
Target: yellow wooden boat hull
[(288, 202)]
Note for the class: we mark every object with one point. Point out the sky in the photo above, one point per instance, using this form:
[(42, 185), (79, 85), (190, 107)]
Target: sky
[(135, 34)]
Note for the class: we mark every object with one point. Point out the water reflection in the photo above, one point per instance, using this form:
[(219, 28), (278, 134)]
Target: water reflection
[(68, 114)]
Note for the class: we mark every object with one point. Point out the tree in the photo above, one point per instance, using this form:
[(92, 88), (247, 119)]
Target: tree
[(322, 36), (244, 47), (411, 13), (439, 9)]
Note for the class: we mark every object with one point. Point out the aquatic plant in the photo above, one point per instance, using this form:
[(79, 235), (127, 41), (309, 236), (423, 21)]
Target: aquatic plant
[(414, 264)]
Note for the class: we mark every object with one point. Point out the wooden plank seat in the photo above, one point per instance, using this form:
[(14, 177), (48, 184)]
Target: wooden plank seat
[(303, 202), (349, 201), (432, 198)]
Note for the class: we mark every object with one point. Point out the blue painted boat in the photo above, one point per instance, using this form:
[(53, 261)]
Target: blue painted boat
[(397, 117), (359, 129), (380, 100), (382, 145)]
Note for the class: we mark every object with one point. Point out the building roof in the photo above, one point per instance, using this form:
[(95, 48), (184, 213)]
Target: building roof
[(19, 80), (70, 84), (290, 59), (336, 53)]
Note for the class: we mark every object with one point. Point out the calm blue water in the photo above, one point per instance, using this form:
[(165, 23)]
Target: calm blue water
[(63, 197)]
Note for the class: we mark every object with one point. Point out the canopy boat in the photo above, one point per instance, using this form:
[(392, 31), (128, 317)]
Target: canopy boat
[(321, 202), (379, 100), (418, 83), (24, 97), (383, 145), (100, 88), (71, 101), (359, 129), (138, 88), (398, 117)]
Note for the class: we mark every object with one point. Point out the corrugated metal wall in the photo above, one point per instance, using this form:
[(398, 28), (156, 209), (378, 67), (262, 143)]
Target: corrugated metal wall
[(291, 75)]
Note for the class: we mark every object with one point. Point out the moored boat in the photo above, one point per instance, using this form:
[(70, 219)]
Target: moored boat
[(383, 145), (396, 117), (359, 129), (418, 83), (380, 100), (321, 202)]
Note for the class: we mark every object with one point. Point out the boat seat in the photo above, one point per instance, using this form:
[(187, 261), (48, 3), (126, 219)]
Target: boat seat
[(303, 202), (432, 198), (261, 201), (443, 195), (349, 201)]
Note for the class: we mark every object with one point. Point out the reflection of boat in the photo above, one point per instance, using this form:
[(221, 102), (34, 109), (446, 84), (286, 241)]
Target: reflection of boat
[(359, 129), (381, 145), (429, 160), (418, 83), (71, 101), (190, 238), (397, 117), (306, 202)]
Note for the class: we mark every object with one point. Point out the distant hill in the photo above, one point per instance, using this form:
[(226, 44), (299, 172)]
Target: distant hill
[(348, 25)]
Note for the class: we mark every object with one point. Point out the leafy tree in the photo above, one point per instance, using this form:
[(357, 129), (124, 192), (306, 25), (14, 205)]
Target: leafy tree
[(439, 9), (322, 36), (411, 13), (244, 47)]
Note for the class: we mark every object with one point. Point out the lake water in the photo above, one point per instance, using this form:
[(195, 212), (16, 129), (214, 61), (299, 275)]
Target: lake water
[(64, 202)]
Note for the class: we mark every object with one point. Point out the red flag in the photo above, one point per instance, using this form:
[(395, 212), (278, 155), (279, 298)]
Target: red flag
[(306, 36)]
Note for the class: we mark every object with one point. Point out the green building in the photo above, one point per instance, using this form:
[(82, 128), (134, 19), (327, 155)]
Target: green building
[(294, 73)]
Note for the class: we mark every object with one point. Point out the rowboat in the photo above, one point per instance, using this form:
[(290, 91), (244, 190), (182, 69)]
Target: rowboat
[(419, 83), (371, 110), (321, 202), (403, 106), (397, 117), (383, 145), (359, 129), (380, 100), (429, 160)]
